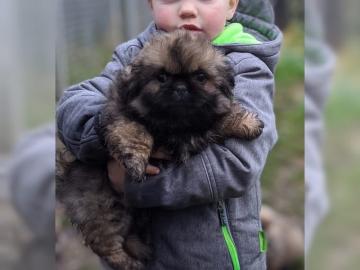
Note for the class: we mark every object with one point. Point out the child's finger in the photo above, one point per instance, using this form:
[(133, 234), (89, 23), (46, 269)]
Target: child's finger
[(116, 174), (152, 170)]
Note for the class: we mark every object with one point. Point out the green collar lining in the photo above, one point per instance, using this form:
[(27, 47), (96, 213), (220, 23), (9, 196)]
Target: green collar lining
[(234, 33)]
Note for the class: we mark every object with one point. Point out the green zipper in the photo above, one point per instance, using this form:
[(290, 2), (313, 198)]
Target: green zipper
[(229, 241), (262, 241)]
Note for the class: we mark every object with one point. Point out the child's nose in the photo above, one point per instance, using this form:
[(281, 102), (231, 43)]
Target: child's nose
[(187, 10)]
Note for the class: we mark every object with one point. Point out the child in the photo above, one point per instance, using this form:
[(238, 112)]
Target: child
[(204, 213)]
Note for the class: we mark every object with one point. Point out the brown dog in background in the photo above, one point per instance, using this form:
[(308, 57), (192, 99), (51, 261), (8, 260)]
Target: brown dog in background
[(285, 240)]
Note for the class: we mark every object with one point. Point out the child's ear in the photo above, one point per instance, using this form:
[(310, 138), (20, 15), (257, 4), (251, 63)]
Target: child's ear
[(232, 8)]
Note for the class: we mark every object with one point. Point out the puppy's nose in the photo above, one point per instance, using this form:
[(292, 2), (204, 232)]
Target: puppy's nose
[(181, 87), (181, 91)]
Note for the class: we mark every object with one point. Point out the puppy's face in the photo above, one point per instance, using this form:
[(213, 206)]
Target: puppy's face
[(178, 74)]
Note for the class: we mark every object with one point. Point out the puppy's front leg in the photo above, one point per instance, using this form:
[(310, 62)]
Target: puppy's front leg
[(241, 123), (129, 142)]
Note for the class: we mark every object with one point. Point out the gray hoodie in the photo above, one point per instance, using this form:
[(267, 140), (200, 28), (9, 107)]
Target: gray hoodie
[(204, 213)]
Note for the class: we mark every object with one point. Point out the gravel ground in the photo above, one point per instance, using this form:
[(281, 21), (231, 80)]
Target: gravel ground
[(13, 233)]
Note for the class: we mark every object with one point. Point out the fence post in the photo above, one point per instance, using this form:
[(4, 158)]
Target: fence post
[(11, 83)]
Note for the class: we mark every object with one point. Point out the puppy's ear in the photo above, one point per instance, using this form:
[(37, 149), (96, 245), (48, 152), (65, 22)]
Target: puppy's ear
[(127, 84), (227, 80)]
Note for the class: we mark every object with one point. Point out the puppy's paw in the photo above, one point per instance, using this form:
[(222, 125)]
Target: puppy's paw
[(253, 124), (135, 167), (242, 124), (119, 261), (105, 237)]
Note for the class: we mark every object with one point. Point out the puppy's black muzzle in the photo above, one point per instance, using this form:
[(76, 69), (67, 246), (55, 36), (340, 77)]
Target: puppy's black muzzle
[(181, 92)]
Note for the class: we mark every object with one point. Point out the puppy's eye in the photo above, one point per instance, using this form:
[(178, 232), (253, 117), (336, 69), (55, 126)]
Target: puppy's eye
[(162, 77), (200, 77)]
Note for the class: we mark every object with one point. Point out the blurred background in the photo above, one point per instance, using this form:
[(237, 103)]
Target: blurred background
[(27, 111), (336, 243), (85, 32)]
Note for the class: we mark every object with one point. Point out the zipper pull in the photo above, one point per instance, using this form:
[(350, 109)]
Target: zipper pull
[(222, 213)]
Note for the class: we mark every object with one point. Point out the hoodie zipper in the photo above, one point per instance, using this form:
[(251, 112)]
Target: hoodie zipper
[(229, 241)]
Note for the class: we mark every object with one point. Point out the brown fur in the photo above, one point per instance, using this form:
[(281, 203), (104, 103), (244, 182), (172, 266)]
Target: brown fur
[(177, 94)]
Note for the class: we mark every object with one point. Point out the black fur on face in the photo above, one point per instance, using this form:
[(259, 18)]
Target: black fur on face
[(178, 82)]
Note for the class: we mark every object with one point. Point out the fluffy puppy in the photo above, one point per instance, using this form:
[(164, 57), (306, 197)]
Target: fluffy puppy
[(177, 94)]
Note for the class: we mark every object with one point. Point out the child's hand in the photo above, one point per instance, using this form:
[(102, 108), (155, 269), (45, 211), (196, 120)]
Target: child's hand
[(116, 171), (116, 174)]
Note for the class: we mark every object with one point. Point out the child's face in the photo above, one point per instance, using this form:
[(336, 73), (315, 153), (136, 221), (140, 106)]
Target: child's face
[(208, 16)]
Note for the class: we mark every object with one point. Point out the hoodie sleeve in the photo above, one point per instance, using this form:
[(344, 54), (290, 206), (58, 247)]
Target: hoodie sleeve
[(78, 112), (220, 171)]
